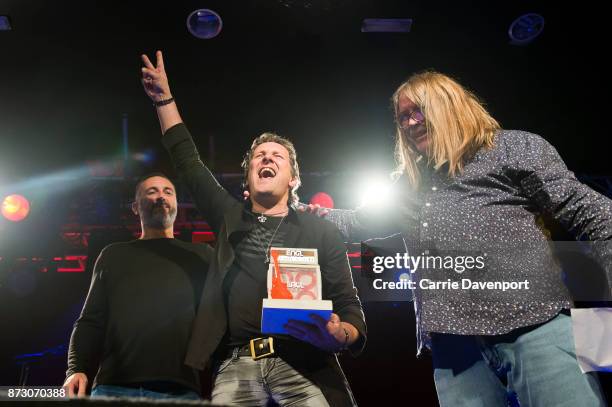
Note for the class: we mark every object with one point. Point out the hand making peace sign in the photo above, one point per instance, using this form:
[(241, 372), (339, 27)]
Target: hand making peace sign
[(154, 78)]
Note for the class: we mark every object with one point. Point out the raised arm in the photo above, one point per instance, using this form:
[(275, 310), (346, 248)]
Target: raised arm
[(211, 199), (156, 86)]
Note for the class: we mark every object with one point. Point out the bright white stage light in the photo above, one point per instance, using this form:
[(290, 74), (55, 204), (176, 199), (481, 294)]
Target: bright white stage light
[(375, 192)]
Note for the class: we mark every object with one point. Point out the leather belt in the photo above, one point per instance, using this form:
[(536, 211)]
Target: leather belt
[(257, 348)]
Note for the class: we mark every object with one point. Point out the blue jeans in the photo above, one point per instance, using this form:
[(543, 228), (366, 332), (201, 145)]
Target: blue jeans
[(105, 390), (528, 367), (242, 381)]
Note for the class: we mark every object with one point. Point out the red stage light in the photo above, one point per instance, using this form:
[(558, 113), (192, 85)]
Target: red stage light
[(202, 237), (322, 199), (15, 208), (81, 262)]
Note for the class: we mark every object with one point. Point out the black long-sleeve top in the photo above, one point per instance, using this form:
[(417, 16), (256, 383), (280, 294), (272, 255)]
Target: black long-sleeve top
[(137, 317)]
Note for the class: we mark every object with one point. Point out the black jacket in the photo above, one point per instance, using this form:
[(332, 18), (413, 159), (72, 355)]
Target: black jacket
[(229, 217)]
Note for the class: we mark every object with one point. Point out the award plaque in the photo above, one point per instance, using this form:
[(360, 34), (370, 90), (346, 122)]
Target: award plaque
[(294, 289)]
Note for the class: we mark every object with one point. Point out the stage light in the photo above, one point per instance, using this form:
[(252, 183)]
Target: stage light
[(386, 25), (15, 208), (323, 199), (5, 23), (146, 156), (525, 29), (202, 237), (53, 179), (375, 192), (204, 24), (77, 263)]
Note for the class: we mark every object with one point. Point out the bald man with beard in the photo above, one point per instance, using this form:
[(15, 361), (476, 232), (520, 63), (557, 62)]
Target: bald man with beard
[(140, 307)]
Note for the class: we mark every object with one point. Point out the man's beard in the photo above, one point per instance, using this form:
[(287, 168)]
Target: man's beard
[(155, 216)]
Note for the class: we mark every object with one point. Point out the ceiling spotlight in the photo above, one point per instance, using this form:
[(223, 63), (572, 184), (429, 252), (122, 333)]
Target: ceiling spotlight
[(386, 25), (204, 24), (5, 23), (525, 29)]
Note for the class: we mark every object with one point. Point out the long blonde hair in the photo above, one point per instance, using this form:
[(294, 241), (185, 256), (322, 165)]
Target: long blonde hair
[(456, 120)]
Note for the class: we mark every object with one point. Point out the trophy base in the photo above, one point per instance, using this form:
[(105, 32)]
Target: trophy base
[(275, 313)]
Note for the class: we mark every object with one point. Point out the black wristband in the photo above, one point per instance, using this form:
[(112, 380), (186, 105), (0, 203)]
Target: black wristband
[(163, 102)]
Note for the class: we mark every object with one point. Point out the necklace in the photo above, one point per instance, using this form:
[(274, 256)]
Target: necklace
[(267, 249), (262, 217)]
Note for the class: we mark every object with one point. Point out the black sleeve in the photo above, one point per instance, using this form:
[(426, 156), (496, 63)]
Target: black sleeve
[(211, 199), (338, 285), (88, 334)]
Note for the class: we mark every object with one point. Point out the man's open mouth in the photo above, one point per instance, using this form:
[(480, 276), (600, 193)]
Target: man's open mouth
[(267, 172)]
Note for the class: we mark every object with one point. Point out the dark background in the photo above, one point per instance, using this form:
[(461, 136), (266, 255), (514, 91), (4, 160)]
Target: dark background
[(70, 70)]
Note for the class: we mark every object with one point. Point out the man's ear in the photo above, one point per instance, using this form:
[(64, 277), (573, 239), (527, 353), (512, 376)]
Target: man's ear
[(135, 208), (293, 182)]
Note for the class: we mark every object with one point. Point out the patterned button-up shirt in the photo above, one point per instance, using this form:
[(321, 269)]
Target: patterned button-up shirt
[(494, 203)]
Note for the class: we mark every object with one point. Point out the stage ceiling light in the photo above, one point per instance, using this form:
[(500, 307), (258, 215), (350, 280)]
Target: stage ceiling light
[(204, 24), (386, 25), (5, 23), (526, 28)]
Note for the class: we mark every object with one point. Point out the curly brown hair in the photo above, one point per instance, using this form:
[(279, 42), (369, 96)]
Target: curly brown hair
[(295, 168)]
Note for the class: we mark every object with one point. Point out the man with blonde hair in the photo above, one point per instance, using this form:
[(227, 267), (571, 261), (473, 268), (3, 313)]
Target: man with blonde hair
[(465, 183)]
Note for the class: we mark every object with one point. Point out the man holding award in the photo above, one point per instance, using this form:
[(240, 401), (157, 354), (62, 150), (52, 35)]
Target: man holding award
[(271, 261)]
